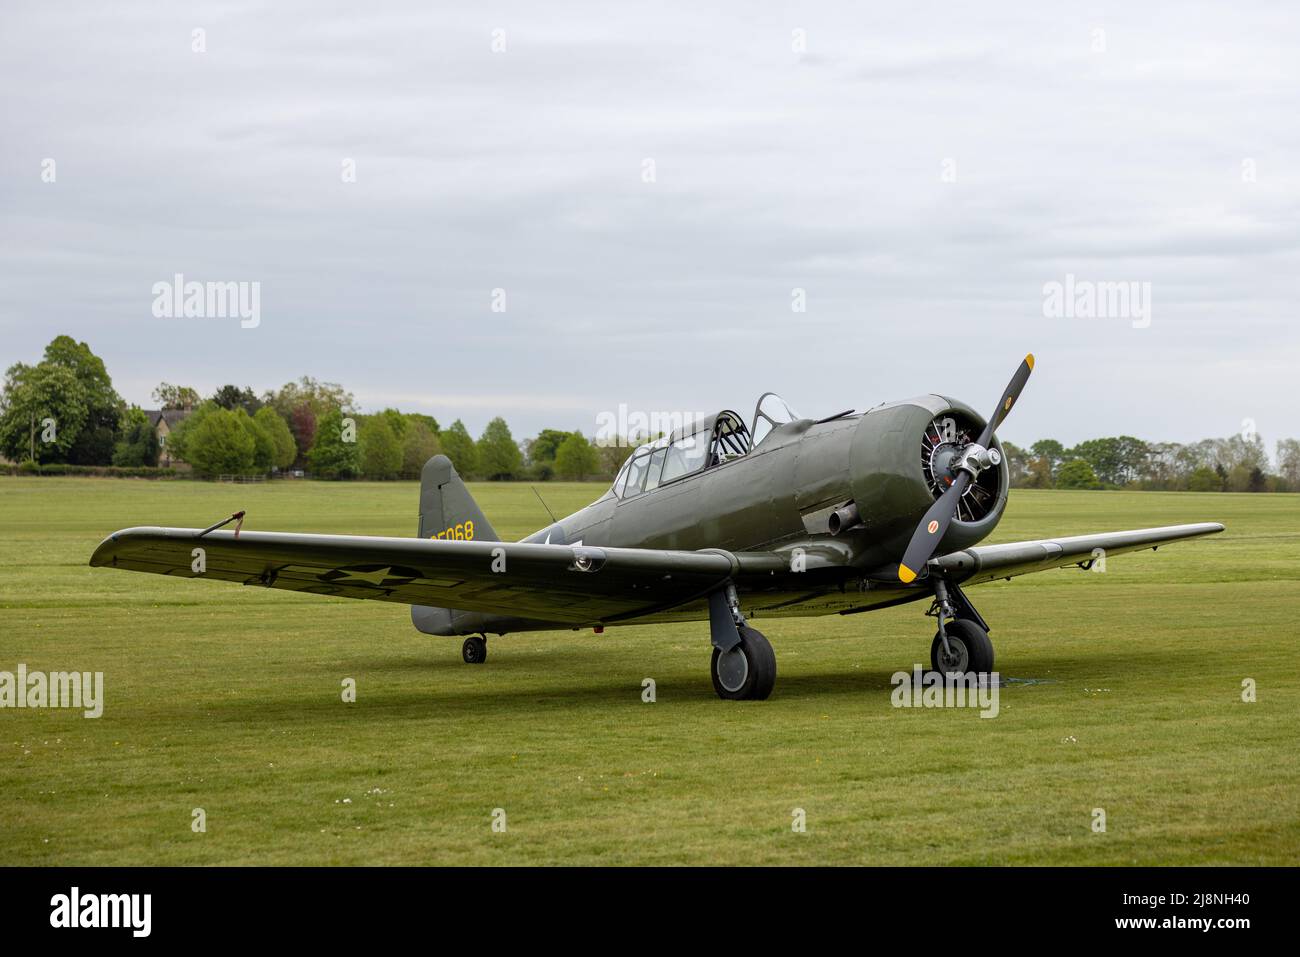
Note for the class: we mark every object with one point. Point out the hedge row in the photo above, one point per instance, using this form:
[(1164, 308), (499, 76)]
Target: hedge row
[(104, 471)]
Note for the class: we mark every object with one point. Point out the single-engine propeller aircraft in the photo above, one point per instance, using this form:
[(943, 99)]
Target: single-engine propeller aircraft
[(715, 522)]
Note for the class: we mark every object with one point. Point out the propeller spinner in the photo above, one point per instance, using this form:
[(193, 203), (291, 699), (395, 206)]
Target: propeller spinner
[(974, 458)]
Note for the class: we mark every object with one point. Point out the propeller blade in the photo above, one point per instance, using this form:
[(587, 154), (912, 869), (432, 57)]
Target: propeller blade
[(1009, 397), (930, 532), (939, 516)]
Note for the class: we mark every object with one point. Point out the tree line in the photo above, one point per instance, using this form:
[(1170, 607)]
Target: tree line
[(314, 426), (64, 410), (1239, 463)]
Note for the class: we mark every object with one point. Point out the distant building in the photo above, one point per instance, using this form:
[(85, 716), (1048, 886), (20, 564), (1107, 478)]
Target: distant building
[(164, 423)]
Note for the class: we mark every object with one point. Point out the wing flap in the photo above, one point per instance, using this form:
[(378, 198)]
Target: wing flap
[(984, 563)]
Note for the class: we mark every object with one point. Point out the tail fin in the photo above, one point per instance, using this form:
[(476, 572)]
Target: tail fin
[(446, 508)]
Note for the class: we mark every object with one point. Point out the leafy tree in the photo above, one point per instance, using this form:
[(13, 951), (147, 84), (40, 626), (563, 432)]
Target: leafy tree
[(179, 439), (575, 458), (1050, 450), (139, 443), (263, 444), (460, 448), (332, 456), (232, 397), (93, 443), (1038, 473), (170, 396), (498, 455), (321, 397), (1205, 479), (1189, 458), (381, 453), (544, 448), (428, 420), (303, 404), (396, 422), (1115, 460), (285, 449), (419, 444), (1132, 455), (1161, 468), (302, 423), (1288, 463), (32, 397), (220, 444), (71, 387), (540, 453), (1241, 451), (1075, 474)]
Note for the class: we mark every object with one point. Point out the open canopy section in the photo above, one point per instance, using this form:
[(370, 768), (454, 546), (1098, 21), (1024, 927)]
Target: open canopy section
[(770, 412)]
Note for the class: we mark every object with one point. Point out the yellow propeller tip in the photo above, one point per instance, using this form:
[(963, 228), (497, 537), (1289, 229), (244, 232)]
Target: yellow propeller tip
[(905, 574), (1030, 359)]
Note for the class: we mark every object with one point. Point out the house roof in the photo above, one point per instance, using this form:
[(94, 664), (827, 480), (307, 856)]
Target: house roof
[(170, 416)]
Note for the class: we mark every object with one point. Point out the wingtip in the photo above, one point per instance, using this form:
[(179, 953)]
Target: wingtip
[(101, 556)]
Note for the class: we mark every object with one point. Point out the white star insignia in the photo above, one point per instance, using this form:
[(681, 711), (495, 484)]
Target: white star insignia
[(371, 578)]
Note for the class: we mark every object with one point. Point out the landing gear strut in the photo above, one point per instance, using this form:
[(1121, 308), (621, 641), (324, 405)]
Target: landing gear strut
[(474, 650), (961, 645)]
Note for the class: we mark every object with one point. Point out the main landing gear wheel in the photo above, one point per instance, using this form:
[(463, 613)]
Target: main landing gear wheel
[(972, 652), (474, 651), (747, 671)]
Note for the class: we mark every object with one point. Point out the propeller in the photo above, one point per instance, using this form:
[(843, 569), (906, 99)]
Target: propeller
[(973, 459)]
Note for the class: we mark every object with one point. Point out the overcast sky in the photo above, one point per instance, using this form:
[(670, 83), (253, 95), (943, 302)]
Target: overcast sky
[(920, 170)]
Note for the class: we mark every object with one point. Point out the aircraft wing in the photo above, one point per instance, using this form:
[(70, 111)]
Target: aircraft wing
[(567, 584), (984, 563)]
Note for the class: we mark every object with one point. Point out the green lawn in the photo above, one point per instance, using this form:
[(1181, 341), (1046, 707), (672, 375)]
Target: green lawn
[(228, 699)]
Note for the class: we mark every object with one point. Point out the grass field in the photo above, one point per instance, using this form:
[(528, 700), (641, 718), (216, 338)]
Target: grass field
[(228, 699)]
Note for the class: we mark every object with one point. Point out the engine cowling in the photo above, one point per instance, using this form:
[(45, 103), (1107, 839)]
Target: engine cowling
[(902, 459)]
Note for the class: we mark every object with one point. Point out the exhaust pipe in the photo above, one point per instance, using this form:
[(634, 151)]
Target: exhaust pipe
[(844, 517)]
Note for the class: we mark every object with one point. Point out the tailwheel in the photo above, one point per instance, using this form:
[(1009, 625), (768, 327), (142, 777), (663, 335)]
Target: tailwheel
[(747, 671), (969, 649), (474, 651)]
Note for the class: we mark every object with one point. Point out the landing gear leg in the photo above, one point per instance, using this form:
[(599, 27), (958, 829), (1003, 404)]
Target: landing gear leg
[(744, 665), (961, 645)]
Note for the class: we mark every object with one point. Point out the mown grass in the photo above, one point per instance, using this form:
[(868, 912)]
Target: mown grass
[(228, 699)]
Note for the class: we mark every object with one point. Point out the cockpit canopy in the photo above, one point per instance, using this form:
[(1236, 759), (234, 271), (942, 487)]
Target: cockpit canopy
[(699, 445)]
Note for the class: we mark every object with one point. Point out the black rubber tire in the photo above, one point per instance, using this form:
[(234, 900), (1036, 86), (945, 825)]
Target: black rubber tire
[(474, 650), (974, 644), (760, 670)]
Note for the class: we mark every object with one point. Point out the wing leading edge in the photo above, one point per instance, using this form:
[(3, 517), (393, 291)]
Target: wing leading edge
[(984, 563)]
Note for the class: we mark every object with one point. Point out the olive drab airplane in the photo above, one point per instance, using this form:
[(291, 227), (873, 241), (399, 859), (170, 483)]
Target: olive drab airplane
[(718, 522)]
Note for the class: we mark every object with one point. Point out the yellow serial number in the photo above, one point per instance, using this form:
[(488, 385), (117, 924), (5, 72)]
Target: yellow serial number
[(461, 532)]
